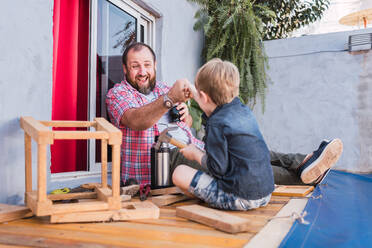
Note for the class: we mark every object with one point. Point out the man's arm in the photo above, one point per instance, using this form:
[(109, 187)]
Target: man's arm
[(145, 117)]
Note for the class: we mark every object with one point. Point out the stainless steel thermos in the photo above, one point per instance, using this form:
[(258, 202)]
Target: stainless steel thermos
[(160, 166)]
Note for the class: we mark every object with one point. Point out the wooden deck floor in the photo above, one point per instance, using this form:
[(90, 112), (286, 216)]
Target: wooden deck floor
[(167, 231)]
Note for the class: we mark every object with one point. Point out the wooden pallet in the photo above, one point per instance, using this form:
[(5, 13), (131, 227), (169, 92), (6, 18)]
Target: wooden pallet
[(41, 132)]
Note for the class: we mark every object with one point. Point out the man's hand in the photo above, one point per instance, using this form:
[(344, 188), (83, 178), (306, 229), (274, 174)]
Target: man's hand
[(191, 152), (180, 91)]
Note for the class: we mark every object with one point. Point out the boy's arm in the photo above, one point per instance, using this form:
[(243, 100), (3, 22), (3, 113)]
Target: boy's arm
[(191, 152)]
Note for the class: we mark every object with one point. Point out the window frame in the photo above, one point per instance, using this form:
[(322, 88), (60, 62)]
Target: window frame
[(143, 18)]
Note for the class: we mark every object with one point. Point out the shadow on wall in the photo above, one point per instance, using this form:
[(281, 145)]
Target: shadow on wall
[(14, 200)]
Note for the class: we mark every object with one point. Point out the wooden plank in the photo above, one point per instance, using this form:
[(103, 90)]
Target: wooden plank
[(214, 218), (79, 207), (68, 123), (129, 211), (164, 200), (115, 135), (71, 196), (293, 190), (166, 191), (41, 173), (40, 133), (79, 135), (28, 163), (104, 163), (115, 170), (13, 212), (106, 195)]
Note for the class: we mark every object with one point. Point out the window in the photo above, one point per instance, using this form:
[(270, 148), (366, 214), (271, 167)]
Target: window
[(118, 23), (113, 24)]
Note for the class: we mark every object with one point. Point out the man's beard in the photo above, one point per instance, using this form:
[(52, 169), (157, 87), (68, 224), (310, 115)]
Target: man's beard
[(144, 90)]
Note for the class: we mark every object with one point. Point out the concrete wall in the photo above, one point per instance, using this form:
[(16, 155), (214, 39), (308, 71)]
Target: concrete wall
[(26, 48), (319, 92)]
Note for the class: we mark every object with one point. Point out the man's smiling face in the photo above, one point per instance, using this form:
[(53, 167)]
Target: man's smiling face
[(140, 70)]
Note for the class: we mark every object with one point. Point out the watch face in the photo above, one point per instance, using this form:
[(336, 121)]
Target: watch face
[(168, 104)]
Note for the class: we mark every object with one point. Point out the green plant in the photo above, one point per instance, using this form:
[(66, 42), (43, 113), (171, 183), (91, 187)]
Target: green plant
[(290, 15), (233, 32)]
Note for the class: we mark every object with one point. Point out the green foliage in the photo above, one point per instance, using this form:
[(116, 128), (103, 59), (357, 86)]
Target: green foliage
[(290, 15), (233, 32)]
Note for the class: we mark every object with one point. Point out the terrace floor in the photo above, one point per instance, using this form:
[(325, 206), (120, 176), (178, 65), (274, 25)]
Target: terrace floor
[(167, 231)]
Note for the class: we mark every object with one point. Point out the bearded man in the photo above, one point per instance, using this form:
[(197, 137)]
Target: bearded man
[(138, 106)]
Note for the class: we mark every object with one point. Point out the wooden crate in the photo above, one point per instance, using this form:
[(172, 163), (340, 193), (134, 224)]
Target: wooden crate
[(41, 132)]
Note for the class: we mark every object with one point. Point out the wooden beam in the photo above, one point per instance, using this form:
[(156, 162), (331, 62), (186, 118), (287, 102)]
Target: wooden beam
[(28, 163), (79, 135), (115, 134), (40, 133), (68, 123), (164, 200), (104, 163), (106, 195), (71, 196), (129, 211), (41, 173), (13, 212), (115, 170), (214, 218)]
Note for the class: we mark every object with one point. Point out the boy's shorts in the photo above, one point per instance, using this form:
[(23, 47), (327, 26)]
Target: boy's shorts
[(205, 187)]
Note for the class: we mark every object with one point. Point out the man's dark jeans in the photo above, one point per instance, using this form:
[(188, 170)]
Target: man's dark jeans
[(284, 166)]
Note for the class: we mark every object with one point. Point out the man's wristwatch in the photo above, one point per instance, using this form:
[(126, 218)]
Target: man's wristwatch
[(168, 103)]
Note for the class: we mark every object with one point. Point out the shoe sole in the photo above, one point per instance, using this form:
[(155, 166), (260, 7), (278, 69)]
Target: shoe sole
[(326, 160)]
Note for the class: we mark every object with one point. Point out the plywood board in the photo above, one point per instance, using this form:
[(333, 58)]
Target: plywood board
[(214, 218), (129, 211), (13, 212), (164, 200), (293, 190)]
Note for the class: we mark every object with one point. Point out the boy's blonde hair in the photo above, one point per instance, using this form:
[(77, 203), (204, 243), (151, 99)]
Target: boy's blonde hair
[(219, 80)]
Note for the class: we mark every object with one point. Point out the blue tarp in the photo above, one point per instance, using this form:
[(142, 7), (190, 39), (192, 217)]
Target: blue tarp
[(339, 212)]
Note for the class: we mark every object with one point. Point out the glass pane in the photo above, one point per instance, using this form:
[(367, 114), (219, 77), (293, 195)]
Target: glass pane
[(116, 29)]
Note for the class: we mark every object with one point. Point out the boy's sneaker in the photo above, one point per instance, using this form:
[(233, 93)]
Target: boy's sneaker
[(320, 161)]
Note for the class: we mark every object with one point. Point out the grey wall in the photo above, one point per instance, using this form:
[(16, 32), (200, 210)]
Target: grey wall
[(26, 48), (319, 92)]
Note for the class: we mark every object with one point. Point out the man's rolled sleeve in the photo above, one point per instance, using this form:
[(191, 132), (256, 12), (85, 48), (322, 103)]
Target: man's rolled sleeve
[(119, 101)]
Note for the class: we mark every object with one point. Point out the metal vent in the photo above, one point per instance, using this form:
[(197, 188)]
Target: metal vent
[(360, 42)]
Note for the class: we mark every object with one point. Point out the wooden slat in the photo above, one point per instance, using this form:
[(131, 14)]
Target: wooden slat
[(71, 196), (129, 211), (104, 163), (164, 200), (40, 133), (79, 135), (114, 133), (28, 163), (115, 170), (41, 173), (293, 190), (214, 218), (13, 212), (68, 123)]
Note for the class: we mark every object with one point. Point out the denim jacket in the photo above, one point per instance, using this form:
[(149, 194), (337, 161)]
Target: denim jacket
[(237, 155)]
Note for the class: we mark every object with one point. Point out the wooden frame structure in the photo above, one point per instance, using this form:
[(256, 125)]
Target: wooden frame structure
[(41, 132)]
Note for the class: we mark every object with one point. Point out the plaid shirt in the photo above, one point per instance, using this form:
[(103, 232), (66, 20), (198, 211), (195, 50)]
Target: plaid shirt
[(136, 145)]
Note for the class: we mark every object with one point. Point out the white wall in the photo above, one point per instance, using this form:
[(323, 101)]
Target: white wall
[(319, 92), (26, 48)]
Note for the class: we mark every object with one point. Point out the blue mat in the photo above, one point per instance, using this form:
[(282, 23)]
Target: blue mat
[(340, 214)]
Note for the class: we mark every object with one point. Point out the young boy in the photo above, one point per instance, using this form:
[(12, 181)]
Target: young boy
[(236, 156)]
